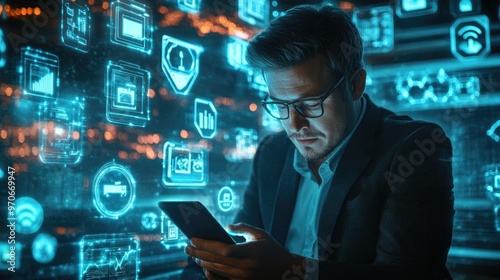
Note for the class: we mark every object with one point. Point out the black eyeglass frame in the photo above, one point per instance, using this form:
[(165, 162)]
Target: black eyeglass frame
[(320, 98)]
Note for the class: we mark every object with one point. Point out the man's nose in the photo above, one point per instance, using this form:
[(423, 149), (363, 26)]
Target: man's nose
[(295, 120)]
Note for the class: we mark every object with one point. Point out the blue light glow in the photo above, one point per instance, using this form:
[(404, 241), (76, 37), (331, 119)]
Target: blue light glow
[(10, 258), (254, 12), (442, 86), (131, 25), (415, 88), (465, 7), (243, 146), (127, 100), (270, 123), (413, 8), (491, 132), (183, 166), (39, 73), (236, 51), (180, 63), (225, 199), (470, 38), (3, 49), (44, 248), (172, 236), (109, 256), (205, 118), (257, 81), (29, 214), (189, 6), (60, 132), (75, 25), (114, 190), (467, 88), (376, 27), (149, 220)]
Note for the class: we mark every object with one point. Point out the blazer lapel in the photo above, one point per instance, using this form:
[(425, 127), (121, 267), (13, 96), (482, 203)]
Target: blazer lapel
[(286, 196), (353, 162)]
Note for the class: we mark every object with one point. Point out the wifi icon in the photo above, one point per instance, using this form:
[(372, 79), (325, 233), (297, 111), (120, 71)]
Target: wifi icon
[(470, 37), (29, 214)]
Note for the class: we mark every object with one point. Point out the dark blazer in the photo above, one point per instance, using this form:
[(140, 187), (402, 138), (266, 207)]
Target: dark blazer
[(389, 211)]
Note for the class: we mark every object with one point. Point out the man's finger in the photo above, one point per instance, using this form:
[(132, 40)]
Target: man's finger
[(249, 232)]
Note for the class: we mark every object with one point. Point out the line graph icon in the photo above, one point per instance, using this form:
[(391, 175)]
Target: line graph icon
[(470, 37), (109, 256)]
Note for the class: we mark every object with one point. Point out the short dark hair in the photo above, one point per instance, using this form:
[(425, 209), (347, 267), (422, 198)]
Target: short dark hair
[(303, 32)]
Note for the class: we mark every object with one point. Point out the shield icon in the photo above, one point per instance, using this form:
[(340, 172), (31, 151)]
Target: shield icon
[(180, 63)]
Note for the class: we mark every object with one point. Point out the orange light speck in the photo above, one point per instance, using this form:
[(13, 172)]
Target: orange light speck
[(253, 107), (105, 5), (3, 134), (151, 93), (76, 135), (184, 134), (107, 135)]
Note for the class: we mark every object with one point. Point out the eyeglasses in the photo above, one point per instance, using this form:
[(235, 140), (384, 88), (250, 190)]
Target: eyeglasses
[(308, 107)]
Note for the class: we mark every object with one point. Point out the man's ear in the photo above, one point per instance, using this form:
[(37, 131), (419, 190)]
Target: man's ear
[(358, 83)]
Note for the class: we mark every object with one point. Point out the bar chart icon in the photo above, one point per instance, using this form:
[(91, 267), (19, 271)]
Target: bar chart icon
[(42, 79), (205, 118), (40, 73)]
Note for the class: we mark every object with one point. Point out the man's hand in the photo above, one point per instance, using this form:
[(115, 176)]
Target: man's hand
[(261, 257)]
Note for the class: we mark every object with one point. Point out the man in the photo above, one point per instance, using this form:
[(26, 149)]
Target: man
[(349, 190)]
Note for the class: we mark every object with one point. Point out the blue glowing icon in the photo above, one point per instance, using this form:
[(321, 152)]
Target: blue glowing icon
[(415, 88), (189, 6), (172, 236), (255, 12), (467, 88), (44, 248), (183, 166), (10, 259), (180, 63), (131, 25), (29, 214), (205, 118), (465, 7), (376, 27), (114, 190), (75, 25), (3, 49), (60, 132), (412, 8), (127, 100), (109, 256), (149, 220), (243, 146), (470, 37), (225, 199), (236, 51), (39, 73)]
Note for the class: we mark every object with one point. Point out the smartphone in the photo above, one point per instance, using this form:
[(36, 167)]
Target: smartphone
[(194, 220)]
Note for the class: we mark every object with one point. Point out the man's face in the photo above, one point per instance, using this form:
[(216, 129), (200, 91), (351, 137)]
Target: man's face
[(315, 138)]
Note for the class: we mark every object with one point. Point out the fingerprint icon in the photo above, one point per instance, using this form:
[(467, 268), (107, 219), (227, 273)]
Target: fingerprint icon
[(29, 215)]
